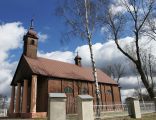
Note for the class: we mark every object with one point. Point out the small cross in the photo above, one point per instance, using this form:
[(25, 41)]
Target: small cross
[(32, 24)]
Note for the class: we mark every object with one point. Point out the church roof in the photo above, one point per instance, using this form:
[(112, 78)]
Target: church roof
[(58, 69)]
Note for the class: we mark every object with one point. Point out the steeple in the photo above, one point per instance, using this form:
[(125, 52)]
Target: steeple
[(78, 60), (30, 42)]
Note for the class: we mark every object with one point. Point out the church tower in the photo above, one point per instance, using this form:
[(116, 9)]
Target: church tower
[(30, 42)]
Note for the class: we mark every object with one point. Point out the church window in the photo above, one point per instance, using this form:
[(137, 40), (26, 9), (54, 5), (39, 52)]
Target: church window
[(68, 90), (32, 42)]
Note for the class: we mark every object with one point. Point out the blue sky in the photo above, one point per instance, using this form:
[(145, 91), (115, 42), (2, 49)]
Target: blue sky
[(15, 17), (43, 13), (45, 21)]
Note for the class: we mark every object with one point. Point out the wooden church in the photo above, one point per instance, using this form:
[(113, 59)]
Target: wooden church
[(35, 77)]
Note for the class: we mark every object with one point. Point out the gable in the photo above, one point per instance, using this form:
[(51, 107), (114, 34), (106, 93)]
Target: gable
[(23, 71)]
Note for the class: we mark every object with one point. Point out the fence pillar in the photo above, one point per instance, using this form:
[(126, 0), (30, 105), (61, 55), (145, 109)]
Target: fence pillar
[(85, 107), (133, 107), (57, 106)]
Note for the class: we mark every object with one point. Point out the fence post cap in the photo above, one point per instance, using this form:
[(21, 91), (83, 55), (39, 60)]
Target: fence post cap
[(85, 97), (131, 98), (57, 95)]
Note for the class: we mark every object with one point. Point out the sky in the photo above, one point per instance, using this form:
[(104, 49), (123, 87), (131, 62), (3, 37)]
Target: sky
[(45, 20), (14, 23), (15, 17)]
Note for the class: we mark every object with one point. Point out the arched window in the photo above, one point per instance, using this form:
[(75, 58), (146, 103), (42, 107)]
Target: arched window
[(32, 42), (68, 90)]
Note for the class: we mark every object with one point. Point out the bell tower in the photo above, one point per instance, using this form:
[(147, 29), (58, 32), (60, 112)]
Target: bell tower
[(78, 60), (30, 42)]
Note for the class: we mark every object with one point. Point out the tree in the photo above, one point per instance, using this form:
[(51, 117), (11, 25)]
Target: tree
[(149, 61), (81, 16), (115, 71), (135, 15)]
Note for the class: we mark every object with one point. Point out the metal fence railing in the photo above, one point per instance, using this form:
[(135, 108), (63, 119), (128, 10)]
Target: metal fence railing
[(147, 107), (112, 110)]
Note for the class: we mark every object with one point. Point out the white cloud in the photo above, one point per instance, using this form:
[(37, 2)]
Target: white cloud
[(11, 35), (118, 7), (105, 53), (66, 56), (104, 29), (126, 93), (10, 38), (6, 73), (115, 9), (42, 37)]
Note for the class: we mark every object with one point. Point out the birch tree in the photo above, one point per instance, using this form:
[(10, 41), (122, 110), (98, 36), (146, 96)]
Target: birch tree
[(81, 18)]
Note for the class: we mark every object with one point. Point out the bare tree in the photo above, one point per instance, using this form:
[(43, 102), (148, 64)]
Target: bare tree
[(81, 16), (151, 27), (149, 61), (136, 17), (115, 71)]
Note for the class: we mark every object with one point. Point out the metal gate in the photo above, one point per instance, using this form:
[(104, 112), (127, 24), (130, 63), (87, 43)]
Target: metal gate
[(112, 110)]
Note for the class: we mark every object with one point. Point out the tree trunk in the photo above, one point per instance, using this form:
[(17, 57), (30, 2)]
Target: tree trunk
[(145, 82), (95, 79), (92, 60)]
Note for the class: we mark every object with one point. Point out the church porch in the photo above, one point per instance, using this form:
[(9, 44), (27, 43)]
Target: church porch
[(24, 104)]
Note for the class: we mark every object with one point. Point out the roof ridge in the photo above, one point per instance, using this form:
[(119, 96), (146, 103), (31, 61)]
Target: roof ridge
[(64, 62), (83, 67)]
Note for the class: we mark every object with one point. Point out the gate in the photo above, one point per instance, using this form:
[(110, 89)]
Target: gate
[(71, 105)]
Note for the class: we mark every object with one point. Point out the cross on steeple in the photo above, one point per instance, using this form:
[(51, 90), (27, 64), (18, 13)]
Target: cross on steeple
[(32, 24)]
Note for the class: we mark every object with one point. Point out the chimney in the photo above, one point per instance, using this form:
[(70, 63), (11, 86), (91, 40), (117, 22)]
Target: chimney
[(78, 60)]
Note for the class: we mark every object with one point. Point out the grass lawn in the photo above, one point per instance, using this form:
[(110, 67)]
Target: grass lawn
[(151, 116)]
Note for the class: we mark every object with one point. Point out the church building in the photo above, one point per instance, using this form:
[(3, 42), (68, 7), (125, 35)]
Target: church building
[(35, 77)]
